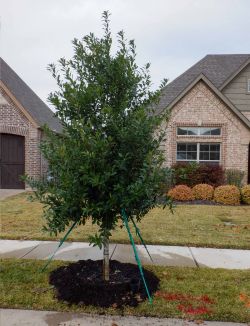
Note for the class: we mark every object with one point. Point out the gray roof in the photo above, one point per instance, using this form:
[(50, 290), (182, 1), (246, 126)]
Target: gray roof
[(217, 68), (37, 109)]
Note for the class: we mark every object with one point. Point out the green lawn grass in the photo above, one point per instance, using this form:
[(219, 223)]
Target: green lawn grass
[(24, 286), (194, 225)]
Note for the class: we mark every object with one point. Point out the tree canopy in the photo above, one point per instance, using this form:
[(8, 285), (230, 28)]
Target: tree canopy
[(108, 156)]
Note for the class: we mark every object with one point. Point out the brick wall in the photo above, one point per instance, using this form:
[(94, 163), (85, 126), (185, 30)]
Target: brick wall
[(246, 114), (201, 107), (13, 121)]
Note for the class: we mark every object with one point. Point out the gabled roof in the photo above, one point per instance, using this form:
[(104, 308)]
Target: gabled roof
[(218, 69), (34, 106), (203, 78)]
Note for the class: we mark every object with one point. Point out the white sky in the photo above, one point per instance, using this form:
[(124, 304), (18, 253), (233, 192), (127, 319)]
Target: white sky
[(170, 34)]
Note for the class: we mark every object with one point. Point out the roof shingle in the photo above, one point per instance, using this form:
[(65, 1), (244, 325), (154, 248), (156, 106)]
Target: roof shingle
[(217, 68), (38, 110)]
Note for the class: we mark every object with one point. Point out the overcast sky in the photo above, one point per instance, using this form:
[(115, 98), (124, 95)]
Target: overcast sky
[(170, 34)]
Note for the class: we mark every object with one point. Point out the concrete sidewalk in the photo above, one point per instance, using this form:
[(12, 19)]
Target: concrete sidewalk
[(162, 255), (16, 317)]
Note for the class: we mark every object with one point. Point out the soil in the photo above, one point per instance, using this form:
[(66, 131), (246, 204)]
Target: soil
[(81, 283), (198, 202), (204, 202)]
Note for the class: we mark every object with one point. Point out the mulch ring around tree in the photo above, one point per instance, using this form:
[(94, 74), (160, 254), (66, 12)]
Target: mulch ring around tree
[(81, 283)]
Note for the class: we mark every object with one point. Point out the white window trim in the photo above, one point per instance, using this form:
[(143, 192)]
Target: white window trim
[(198, 153)]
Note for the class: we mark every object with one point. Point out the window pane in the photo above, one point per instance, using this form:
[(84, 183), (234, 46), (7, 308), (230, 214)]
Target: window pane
[(181, 156), (215, 147), (181, 147), (182, 131), (193, 131), (204, 156), (214, 156), (204, 147), (205, 131), (186, 152), (191, 155), (191, 147), (215, 131)]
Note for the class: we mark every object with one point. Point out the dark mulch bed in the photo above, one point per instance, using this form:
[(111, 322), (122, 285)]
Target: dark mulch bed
[(204, 202), (81, 283), (198, 202)]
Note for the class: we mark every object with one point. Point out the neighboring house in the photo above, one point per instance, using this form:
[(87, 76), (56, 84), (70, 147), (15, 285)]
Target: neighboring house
[(209, 120), (210, 113), (22, 116)]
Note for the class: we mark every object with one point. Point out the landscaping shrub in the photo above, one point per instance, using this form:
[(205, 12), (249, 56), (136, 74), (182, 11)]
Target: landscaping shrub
[(181, 193), (184, 173), (234, 177), (228, 194), (203, 191), (168, 180), (192, 174), (245, 194), (213, 175)]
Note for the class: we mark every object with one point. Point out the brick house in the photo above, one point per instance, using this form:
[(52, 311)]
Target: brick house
[(22, 115), (209, 119), (210, 113)]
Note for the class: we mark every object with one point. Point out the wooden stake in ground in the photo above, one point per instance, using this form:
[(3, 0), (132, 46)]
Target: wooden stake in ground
[(106, 259)]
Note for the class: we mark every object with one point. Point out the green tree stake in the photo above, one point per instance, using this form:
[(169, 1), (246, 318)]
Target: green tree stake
[(60, 244), (138, 233), (125, 220)]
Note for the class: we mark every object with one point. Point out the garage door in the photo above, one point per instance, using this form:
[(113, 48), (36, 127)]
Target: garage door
[(11, 161)]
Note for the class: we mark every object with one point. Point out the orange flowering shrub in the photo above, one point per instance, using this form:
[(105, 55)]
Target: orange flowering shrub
[(181, 193), (203, 191), (245, 193), (229, 195)]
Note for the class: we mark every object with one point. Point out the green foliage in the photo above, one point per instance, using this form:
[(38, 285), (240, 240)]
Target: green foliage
[(108, 155), (184, 172), (234, 177), (192, 173)]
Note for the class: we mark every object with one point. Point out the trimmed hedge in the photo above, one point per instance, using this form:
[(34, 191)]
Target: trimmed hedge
[(245, 194), (192, 174), (181, 193), (203, 191), (229, 195)]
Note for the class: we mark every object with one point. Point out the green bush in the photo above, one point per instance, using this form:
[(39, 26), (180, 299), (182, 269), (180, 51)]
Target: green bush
[(192, 173), (234, 177), (168, 180)]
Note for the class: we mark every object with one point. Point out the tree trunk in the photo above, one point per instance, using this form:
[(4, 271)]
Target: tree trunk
[(106, 259)]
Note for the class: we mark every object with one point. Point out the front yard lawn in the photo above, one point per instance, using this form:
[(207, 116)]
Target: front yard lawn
[(193, 225), (211, 294)]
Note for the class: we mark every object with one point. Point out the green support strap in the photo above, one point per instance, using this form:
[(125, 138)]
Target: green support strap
[(125, 221), (138, 233), (60, 244)]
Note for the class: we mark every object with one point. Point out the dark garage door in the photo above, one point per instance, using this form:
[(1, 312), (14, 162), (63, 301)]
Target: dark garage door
[(11, 161)]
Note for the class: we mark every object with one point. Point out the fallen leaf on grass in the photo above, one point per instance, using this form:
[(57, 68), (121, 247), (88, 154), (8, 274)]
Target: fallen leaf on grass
[(245, 299), (189, 304)]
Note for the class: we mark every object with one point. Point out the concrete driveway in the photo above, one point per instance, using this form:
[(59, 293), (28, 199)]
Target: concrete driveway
[(4, 193)]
